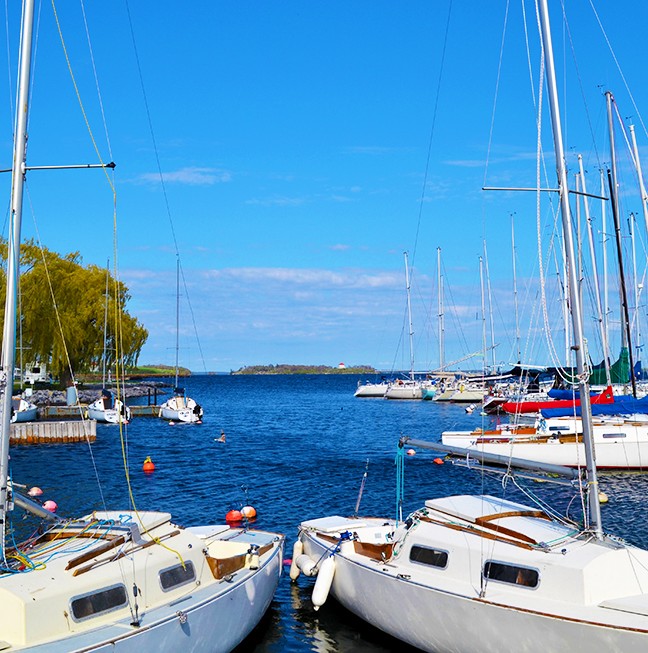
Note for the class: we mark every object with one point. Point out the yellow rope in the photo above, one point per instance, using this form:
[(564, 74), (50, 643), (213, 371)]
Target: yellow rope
[(118, 322)]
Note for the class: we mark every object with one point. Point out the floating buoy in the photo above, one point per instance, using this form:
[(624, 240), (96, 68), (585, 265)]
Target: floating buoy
[(35, 492), (298, 549), (148, 465), (469, 409), (306, 565), (603, 498), (50, 505), (234, 516), (323, 582), (171, 423), (438, 461), (411, 452), (248, 512)]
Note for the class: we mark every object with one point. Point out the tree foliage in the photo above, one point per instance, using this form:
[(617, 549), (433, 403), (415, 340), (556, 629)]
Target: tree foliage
[(62, 310)]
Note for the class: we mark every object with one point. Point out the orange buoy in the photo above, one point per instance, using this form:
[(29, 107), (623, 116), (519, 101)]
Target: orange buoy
[(148, 465), (50, 505), (438, 461), (411, 452), (35, 492), (248, 512), (234, 516)]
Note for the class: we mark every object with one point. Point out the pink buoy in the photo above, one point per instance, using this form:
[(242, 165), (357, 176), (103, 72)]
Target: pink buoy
[(411, 452), (35, 492), (50, 505), (171, 423)]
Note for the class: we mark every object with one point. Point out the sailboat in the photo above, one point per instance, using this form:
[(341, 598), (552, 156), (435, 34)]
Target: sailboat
[(409, 388), (480, 573), (108, 408), (116, 580), (180, 408)]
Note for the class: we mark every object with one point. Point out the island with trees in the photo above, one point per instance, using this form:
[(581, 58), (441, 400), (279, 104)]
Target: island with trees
[(304, 369)]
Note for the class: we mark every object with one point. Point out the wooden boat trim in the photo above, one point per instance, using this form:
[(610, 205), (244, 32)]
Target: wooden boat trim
[(221, 567)]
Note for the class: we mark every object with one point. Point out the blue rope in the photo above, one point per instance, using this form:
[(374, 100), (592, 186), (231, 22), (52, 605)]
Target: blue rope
[(400, 482)]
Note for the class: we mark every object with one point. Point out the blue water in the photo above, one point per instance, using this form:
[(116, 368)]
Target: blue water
[(297, 448)]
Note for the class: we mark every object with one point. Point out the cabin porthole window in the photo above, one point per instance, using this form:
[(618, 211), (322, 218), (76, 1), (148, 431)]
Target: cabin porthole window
[(173, 577), (428, 556), (96, 603), (513, 574)]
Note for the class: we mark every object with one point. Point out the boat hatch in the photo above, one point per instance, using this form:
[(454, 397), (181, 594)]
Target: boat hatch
[(334, 524), (637, 604)]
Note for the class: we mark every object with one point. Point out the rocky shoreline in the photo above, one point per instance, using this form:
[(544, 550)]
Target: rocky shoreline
[(88, 394)]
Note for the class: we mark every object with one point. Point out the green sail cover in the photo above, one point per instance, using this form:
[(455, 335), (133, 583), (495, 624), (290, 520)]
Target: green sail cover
[(619, 371)]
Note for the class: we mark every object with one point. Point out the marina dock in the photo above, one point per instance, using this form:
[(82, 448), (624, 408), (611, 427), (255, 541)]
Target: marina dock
[(77, 412), (51, 432)]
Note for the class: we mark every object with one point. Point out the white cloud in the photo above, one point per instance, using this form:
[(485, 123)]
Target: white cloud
[(191, 176)]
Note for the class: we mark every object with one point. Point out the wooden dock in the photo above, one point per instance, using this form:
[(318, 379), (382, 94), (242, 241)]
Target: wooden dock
[(74, 412), (50, 432)]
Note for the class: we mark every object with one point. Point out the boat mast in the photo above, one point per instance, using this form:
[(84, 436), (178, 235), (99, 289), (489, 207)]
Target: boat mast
[(515, 292), (606, 294), (483, 314), (597, 292), (614, 196), (490, 309), (105, 333), (177, 347), (441, 314), (576, 310), (409, 317), (8, 356)]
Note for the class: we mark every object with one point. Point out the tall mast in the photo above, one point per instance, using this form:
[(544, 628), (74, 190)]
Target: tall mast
[(441, 314), (483, 313), (606, 294), (515, 292), (490, 309), (576, 311), (597, 292), (177, 347), (8, 356), (642, 187), (409, 317), (105, 333), (635, 285), (614, 197)]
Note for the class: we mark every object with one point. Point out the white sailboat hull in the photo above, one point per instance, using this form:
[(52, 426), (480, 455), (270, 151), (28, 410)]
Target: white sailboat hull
[(371, 390), (181, 409), (619, 445), (575, 605), (213, 610)]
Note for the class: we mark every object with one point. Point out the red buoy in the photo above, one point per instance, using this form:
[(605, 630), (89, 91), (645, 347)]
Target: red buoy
[(438, 461), (234, 516), (148, 465)]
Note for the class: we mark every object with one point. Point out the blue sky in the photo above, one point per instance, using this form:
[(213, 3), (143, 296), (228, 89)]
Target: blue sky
[(293, 141)]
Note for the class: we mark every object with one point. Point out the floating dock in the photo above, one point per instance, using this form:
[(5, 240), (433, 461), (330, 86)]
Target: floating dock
[(50, 432), (76, 412)]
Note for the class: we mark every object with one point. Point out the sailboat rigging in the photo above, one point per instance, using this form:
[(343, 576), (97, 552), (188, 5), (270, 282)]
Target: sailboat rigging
[(477, 572), (118, 580)]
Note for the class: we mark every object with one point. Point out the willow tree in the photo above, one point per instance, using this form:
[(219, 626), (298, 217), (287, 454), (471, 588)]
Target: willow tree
[(62, 309)]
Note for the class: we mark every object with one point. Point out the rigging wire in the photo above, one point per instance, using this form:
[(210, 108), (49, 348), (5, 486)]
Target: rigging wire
[(161, 174)]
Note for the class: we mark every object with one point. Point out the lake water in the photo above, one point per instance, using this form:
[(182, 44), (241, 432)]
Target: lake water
[(297, 448)]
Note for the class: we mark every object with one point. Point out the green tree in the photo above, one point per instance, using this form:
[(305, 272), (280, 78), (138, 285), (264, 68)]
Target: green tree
[(62, 308)]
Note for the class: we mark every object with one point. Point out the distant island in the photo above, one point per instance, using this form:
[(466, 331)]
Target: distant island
[(305, 369)]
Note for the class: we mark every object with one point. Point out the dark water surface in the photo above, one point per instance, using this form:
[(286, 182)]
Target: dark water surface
[(296, 449)]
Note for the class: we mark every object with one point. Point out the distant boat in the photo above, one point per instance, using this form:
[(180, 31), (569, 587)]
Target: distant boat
[(108, 409), (180, 408), (370, 389), (23, 410)]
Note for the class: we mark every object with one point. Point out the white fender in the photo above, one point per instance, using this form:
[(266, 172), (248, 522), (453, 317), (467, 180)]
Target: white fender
[(323, 582), (298, 549), (306, 565)]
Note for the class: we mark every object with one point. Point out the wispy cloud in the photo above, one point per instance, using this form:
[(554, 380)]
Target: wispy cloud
[(277, 201), (340, 247), (192, 176)]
